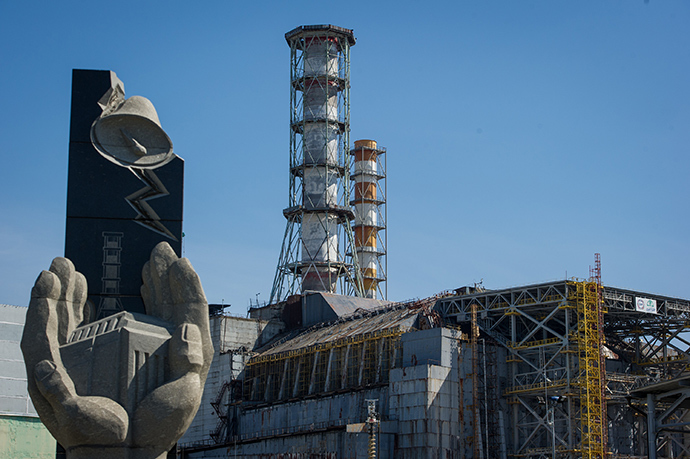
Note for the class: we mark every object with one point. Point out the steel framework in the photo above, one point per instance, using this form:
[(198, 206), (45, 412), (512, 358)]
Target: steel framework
[(316, 252), (551, 332), (668, 417), (352, 362), (370, 203), (586, 297)]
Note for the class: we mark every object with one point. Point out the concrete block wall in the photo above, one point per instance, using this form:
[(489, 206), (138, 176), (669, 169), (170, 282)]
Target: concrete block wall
[(237, 332), (422, 410), (424, 400), (465, 412), (318, 445), (14, 397), (424, 395), (435, 346), (22, 435), (466, 444), (306, 426), (336, 410), (233, 338)]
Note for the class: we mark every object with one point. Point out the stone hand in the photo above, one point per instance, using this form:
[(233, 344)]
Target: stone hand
[(95, 426)]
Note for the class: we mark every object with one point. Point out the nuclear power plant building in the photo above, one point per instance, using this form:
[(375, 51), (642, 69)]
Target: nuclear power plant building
[(475, 373), (330, 368)]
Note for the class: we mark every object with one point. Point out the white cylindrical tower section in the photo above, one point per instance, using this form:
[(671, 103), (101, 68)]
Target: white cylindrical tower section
[(318, 246), (320, 56), (366, 204), (319, 179), (320, 144), (320, 189), (320, 101)]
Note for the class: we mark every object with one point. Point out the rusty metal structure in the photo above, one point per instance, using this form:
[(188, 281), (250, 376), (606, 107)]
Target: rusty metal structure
[(360, 353), (510, 373), (568, 369), (551, 335)]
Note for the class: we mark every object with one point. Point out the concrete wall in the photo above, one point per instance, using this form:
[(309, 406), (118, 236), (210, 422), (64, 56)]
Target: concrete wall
[(25, 438), (424, 400), (425, 395), (305, 415), (465, 394), (233, 339), (316, 425), (421, 412), (14, 398), (22, 435), (435, 346)]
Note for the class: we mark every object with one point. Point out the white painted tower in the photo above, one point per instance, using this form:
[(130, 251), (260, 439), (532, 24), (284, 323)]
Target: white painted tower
[(317, 247)]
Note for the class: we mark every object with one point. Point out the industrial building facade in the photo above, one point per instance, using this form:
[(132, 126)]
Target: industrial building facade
[(331, 369), (477, 373)]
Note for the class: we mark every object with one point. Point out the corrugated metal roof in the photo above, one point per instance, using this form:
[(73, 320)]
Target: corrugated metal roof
[(399, 317)]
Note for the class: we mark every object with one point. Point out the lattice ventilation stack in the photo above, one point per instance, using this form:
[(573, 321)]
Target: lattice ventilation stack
[(316, 254)]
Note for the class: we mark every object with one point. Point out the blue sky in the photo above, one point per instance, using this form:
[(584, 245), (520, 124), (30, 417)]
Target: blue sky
[(522, 136)]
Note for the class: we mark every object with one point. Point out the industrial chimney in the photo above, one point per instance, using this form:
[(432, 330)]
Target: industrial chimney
[(369, 202), (317, 253)]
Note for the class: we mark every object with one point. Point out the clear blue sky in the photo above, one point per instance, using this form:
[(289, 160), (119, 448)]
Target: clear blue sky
[(523, 136)]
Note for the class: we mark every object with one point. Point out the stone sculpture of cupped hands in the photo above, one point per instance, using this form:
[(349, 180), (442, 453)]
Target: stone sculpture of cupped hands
[(89, 426)]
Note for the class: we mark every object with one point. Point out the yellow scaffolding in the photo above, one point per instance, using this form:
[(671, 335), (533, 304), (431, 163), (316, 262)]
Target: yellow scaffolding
[(585, 296), (476, 421)]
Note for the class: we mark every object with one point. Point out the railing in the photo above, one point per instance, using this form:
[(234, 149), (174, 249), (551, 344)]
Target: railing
[(540, 385), (538, 343), (533, 377), (661, 360)]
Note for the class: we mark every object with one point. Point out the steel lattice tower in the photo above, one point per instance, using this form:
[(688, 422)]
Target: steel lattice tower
[(316, 253)]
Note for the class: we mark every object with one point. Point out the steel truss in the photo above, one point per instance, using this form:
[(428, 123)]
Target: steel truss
[(551, 334), (348, 363), (332, 120)]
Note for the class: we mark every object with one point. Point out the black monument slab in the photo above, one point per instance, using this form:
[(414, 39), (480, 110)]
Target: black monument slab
[(115, 214)]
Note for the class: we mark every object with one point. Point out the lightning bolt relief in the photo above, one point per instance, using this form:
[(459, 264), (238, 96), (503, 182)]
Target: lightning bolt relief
[(146, 216)]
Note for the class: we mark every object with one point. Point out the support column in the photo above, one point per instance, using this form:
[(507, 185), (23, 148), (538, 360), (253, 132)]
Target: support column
[(651, 427)]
